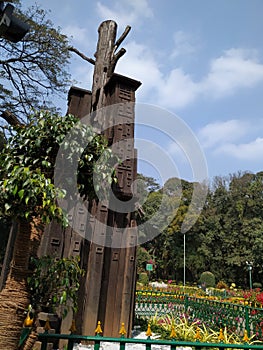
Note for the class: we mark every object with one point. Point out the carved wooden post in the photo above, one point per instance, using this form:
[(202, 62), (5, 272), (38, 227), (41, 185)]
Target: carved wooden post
[(95, 287), (107, 290)]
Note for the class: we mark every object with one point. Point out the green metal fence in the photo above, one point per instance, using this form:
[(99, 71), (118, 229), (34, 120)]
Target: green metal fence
[(124, 343), (235, 317), (212, 313), (238, 318), (150, 303)]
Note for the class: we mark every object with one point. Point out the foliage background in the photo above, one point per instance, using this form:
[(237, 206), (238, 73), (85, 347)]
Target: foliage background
[(226, 235)]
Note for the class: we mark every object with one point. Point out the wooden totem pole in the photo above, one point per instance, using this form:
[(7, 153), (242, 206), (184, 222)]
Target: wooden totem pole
[(108, 288)]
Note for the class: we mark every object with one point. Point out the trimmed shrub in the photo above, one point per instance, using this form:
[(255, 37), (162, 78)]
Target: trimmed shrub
[(257, 285), (207, 279), (143, 278)]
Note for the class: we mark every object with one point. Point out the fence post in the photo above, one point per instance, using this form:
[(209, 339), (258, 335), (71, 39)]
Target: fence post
[(97, 345), (44, 344), (173, 346), (122, 346), (247, 325), (148, 346), (70, 344)]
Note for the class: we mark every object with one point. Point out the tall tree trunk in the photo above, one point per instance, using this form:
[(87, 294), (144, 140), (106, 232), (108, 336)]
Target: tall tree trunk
[(14, 298), (37, 229), (106, 60)]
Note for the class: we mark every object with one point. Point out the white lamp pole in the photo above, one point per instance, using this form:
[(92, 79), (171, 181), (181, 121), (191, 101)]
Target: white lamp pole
[(249, 267), (184, 259)]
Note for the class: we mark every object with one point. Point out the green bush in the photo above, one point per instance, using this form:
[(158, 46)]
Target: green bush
[(142, 257), (55, 283), (257, 285), (207, 279), (143, 278)]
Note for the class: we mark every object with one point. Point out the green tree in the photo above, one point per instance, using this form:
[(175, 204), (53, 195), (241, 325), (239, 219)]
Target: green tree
[(227, 233), (147, 184), (167, 248), (230, 225), (142, 258), (28, 195), (34, 70), (212, 250)]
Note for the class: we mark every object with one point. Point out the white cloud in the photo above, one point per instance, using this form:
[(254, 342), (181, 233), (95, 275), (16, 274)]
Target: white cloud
[(79, 34), (177, 152), (139, 63), (236, 69), (229, 73), (125, 12), (244, 151), (183, 44), (221, 132), (176, 90), (83, 75), (227, 139)]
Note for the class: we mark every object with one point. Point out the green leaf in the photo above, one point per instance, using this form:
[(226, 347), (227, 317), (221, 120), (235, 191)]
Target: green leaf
[(15, 190), (7, 206), (63, 297), (21, 193)]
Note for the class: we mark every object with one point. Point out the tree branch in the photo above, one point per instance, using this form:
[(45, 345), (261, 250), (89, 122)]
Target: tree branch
[(11, 118), (118, 55), (114, 61), (122, 37), (84, 57)]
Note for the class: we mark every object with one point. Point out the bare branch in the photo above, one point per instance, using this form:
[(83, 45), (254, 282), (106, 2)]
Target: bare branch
[(118, 55), (84, 57), (122, 37)]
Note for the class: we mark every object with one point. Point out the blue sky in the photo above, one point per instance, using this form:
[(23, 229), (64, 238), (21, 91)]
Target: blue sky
[(200, 60)]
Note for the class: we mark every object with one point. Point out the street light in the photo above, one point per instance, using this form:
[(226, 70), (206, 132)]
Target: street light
[(11, 27), (249, 267), (184, 259)]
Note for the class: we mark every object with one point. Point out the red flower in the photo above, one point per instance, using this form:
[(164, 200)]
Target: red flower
[(259, 298)]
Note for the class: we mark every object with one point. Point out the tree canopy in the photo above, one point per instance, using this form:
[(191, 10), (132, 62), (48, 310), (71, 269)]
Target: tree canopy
[(27, 165), (33, 70), (227, 233)]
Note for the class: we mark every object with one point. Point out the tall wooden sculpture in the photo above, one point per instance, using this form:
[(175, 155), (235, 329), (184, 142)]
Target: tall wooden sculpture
[(108, 288)]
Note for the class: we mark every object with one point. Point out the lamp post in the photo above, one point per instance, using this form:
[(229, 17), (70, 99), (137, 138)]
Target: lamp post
[(184, 259), (249, 267), (11, 27)]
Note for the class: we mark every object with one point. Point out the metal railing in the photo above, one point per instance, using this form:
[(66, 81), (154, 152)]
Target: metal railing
[(212, 313), (237, 318), (124, 343)]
